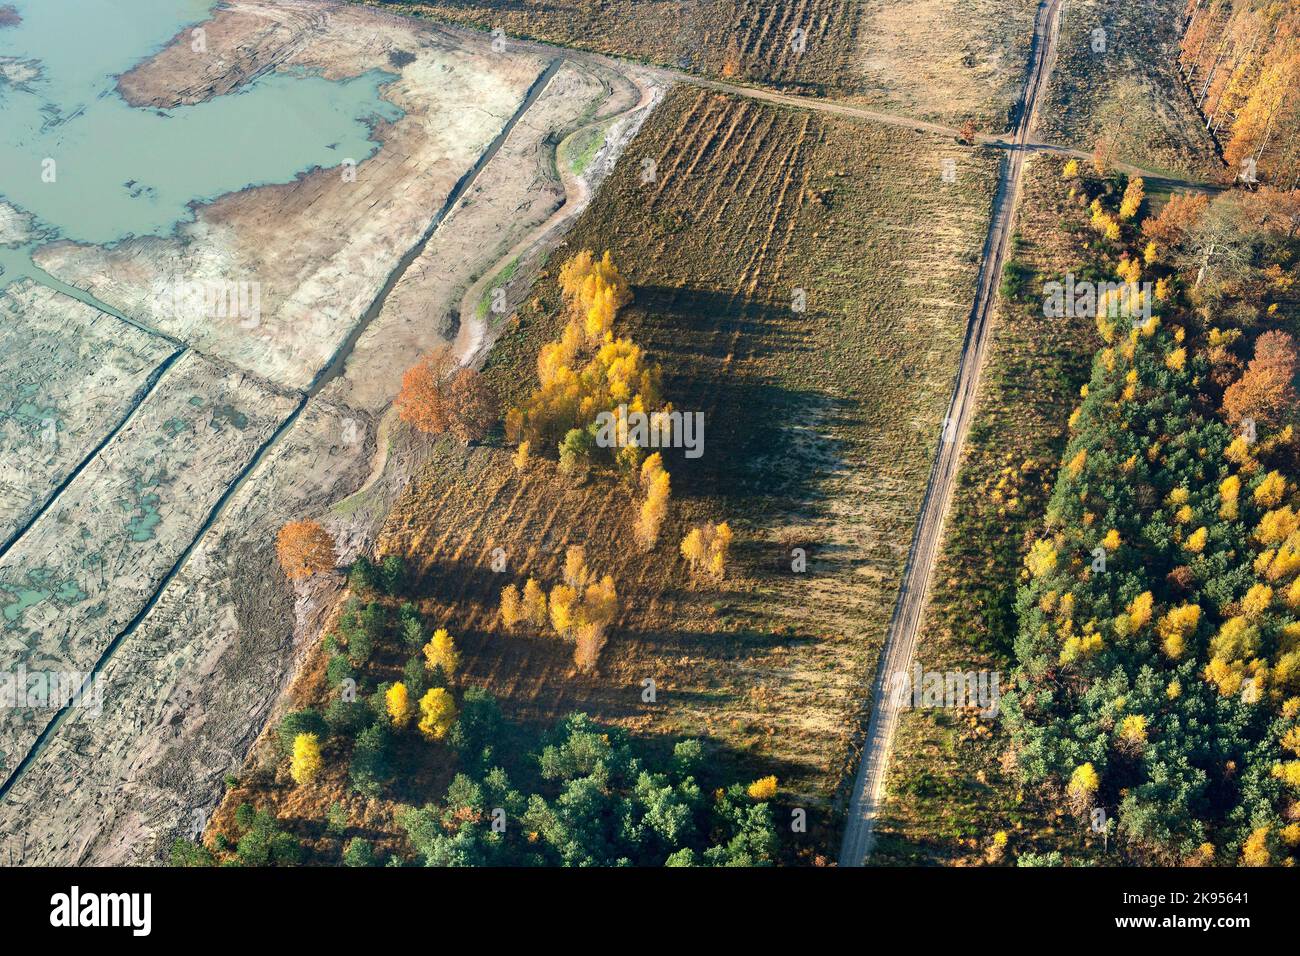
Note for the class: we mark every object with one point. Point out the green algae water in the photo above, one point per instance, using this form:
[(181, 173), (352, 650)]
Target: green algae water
[(77, 162)]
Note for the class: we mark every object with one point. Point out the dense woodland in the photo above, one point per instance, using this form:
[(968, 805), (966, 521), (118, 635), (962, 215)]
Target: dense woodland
[(1241, 62), (1157, 689)]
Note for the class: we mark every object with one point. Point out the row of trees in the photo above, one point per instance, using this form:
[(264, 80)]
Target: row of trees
[(1158, 650), (580, 609)]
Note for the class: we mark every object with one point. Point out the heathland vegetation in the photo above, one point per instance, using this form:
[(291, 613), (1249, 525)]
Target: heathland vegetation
[(1153, 639), (578, 794)]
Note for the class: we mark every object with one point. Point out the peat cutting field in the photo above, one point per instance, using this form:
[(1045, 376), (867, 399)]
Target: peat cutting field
[(151, 446)]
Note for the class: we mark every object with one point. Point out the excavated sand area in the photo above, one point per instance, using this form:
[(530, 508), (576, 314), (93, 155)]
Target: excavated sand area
[(144, 547), (321, 247)]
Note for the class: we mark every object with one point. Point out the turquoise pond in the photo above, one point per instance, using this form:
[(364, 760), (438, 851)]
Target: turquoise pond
[(121, 171)]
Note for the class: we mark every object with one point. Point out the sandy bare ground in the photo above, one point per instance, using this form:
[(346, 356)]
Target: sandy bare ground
[(69, 375), (194, 673), (318, 247), (87, 564)]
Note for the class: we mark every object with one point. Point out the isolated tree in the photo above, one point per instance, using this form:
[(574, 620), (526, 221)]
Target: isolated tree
[(653, 509), (437, 396), (512, 610), (1266, 391), (969, 130), (441, 652), (306, 761), (304, 548), (437, 713), (589, 639)]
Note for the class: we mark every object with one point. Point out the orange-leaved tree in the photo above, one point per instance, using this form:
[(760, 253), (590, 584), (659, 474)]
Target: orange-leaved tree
[(1267, 389), (439, 396), (304, 549)]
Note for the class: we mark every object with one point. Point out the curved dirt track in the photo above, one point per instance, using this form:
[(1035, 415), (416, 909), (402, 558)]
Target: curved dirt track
[(896, 657)]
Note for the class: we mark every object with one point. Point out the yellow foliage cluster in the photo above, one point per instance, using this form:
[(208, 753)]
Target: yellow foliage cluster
[(705, 548), (1176, 626), (653, 509), (587, 370), (1077, 463), (306, 761), (1270, 492), (595, 291), (1229, 492), (764, 788), (1131, 734), (580, 609), (520, 458), (1277, 526), (437, 713), (1233, 658), (529, 609), (1140, 609), (1083, 785), (441, 652), (398, 703), (1254, 852), (1104, 222), (1041, 558), (1133, 196)]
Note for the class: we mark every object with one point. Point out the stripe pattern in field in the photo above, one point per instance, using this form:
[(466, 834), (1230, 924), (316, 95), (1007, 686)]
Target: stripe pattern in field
[(819, 428), (86, 566), (69, 375)]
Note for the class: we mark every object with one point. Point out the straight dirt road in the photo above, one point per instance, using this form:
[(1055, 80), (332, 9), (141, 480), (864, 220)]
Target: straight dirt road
[(900, 644)]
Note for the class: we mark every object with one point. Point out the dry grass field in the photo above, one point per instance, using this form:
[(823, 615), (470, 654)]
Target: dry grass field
[(803, 44), (949, 790), (820, 425), (944, 60), (1129, 90)]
